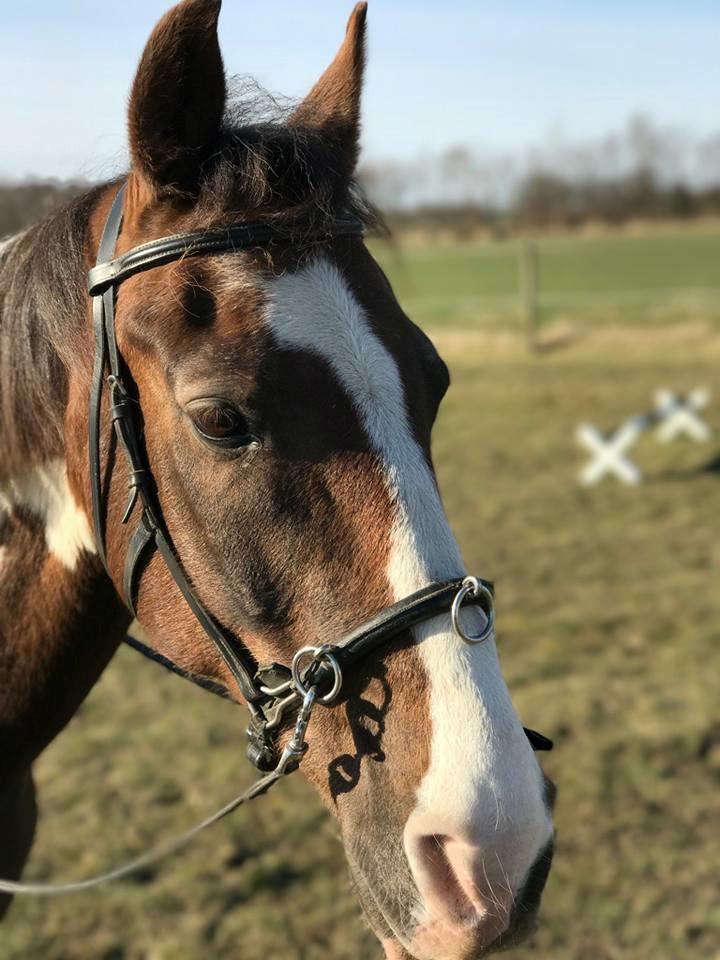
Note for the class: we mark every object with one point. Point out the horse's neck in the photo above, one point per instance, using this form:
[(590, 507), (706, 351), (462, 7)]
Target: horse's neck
[(60, 622), (60, 618), (33, 390)]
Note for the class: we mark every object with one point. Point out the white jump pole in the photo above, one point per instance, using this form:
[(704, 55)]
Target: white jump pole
[(680, 416), (609, 452)]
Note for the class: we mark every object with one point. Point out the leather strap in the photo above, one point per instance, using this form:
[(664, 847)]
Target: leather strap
[(242, 673), (428, 602), (140, 541), (197, 679), (538, 741), (106, 250), (109, 273), (149, 531), (275, 674)]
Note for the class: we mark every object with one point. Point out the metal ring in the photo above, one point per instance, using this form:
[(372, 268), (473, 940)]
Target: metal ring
[(473, 586), (318, 654)]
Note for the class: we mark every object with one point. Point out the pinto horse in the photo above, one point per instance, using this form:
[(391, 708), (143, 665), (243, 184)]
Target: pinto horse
[(331, 514)]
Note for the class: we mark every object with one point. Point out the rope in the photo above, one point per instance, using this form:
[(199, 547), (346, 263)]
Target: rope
[(289, 761), (158, 853), (205, 683)]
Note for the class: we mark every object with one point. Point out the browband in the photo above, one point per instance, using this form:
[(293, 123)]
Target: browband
[(232, 239)]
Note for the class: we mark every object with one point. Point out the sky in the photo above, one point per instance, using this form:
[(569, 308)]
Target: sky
[(490, 74)]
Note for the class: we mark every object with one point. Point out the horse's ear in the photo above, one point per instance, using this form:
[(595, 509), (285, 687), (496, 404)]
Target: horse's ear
[(333, 105), (178, 98)]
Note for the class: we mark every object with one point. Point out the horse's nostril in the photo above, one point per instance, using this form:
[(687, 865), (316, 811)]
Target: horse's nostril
[(436, 874), (458, 886), (477, 887)]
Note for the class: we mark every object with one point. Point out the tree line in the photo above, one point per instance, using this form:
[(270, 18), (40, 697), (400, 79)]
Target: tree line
[(640, 172), (24, 203)]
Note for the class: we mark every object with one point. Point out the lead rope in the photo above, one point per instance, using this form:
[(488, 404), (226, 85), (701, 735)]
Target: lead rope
[(289, 762), (303, 683)]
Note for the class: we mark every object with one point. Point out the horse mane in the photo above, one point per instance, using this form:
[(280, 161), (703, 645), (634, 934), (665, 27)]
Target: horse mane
[(42, 308), (263, 167)]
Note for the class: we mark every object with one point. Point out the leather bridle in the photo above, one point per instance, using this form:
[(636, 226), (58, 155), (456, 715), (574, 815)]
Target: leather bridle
[(272, 691)]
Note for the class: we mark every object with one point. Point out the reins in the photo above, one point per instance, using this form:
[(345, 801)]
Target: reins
[(289, 761)]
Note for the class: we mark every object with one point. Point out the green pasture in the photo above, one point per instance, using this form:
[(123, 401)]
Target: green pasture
[(652, 278), (608, 630)]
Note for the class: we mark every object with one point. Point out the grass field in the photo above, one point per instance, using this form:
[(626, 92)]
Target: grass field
[(608, 630), (653, 278)]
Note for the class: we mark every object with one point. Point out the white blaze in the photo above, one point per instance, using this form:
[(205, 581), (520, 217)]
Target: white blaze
[(480, 760), (44, 491)]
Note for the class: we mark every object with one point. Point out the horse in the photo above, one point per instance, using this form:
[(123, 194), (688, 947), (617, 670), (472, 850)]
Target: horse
[(275, 407)]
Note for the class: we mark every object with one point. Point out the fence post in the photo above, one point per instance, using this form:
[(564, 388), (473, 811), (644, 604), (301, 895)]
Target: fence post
[(530, 291)]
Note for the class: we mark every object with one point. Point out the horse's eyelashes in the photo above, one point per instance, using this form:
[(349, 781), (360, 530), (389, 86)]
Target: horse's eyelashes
[(220, 422)]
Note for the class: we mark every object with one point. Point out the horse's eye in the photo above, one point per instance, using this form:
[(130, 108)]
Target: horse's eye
[(220, 423)]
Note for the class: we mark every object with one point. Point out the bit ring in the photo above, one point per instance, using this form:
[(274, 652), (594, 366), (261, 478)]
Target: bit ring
[(316, 655), (473, 587)]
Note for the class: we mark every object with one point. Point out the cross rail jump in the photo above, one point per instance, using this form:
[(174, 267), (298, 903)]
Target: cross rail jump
[(675, 416)]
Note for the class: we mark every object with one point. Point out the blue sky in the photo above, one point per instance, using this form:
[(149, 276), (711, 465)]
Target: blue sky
[(499, 75)]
